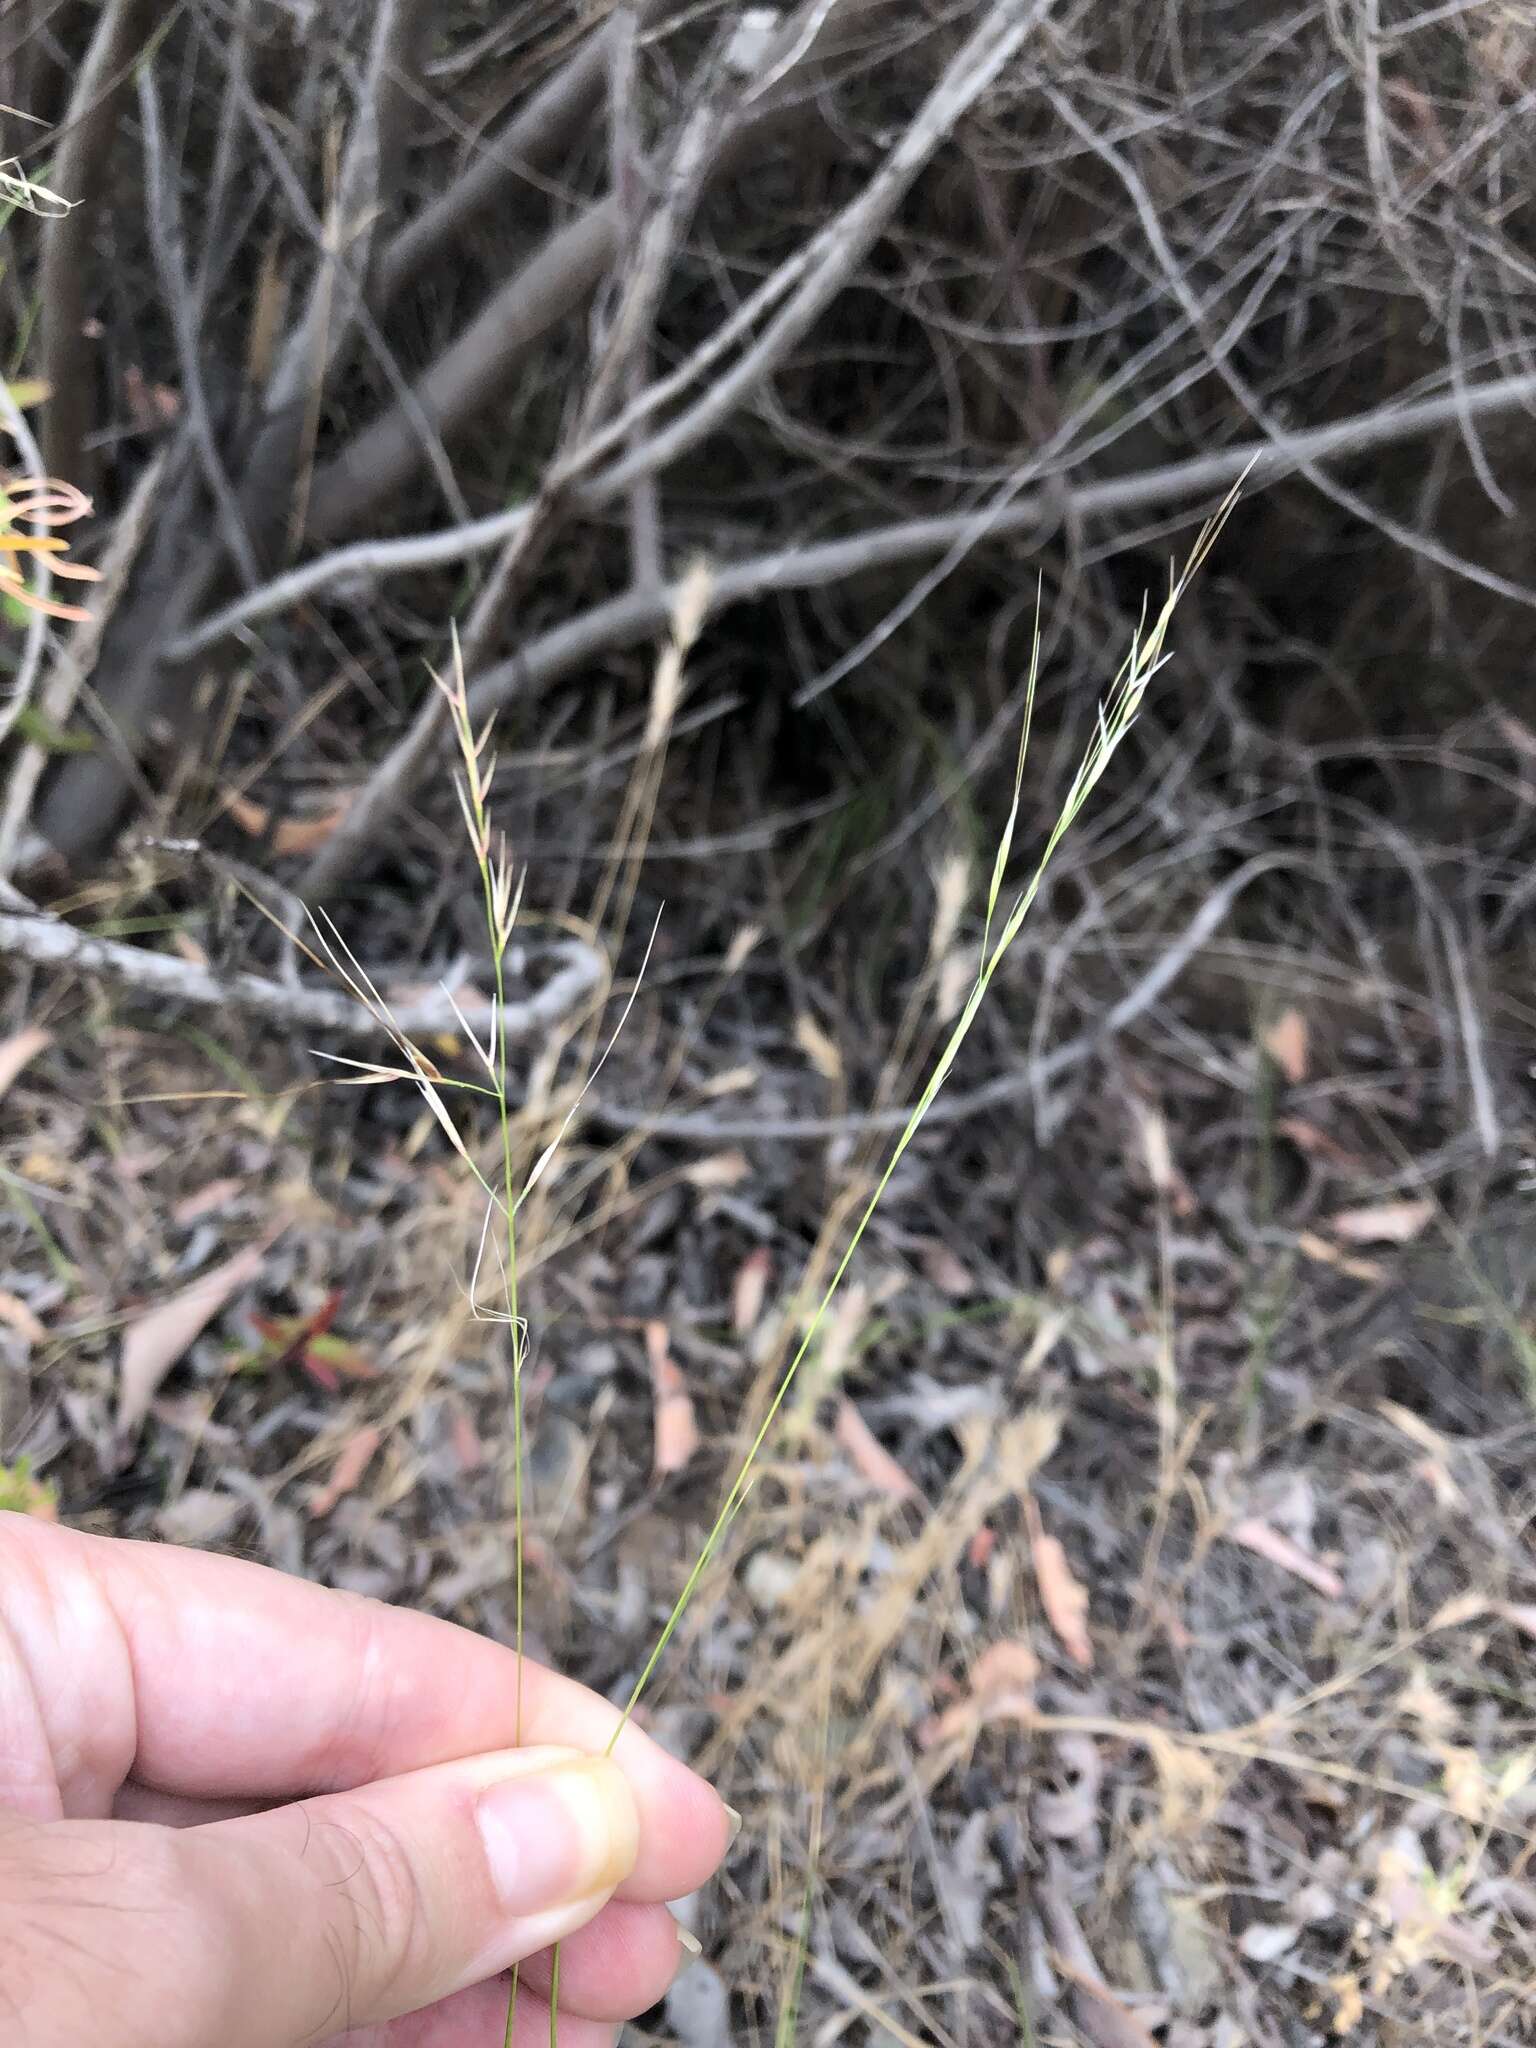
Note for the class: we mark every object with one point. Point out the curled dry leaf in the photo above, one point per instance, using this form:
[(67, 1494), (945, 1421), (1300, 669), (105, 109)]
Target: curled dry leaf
[(1286, 1043), (153, 1344), (1064, 1600), (1384, 1222), (1268, 1543), (1002, 1688), (352, 1461), (871, 1460), (677, 1432), (749, 1290), (17, 1051)]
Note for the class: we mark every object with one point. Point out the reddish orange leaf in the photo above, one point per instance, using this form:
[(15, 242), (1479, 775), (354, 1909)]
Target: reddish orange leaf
[(871, 1460), (676, 1431), (352, 1461), (1269, 1543), (1064, 1600), (750, 1290), (1286, 1043)]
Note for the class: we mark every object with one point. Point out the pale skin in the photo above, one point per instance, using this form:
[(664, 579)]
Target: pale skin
[(237, 1808)]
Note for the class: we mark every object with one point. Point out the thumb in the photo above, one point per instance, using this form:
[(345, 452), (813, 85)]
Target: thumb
[(280, 1927)]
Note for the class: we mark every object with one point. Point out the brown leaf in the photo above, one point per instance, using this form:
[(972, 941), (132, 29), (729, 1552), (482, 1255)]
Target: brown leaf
[(1064, 1600), (1383, 1222), (1157, 1151), (17, 1051), (676, 1431), (352, 1461), (871, 1460), (293, 835), (750, 1289), (945, 1270), (152, 1345), (1268, 1543), (467, 1447), (720, 1170), (1286, 1043), (1002, 1682), (206, 1201), (818, 1048), (1322, 1253)]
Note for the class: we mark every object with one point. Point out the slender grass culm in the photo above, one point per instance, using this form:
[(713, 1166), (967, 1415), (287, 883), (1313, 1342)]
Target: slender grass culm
[(501, 894)]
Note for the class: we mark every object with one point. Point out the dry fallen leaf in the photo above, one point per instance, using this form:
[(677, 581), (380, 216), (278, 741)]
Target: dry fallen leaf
[(1002, 1688), (152, 1345), (1268, 1543), (15, 1052), (749, 1290), (206, 1201), (1322, 1253), (467, 1447), (352, 1461), (292, 835), (818, 1048), (720, 1170), (1064, 1600), (677, 1433), (945, 1270), (1157, 1152), (1286, 1043), (1383, 1222), (871, 1460)]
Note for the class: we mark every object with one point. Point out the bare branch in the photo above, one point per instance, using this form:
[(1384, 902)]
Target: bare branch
[(530, 139), (50, 942), (1262, 462)]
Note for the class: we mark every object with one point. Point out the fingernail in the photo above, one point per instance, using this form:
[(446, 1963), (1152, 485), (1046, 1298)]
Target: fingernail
[(735, 1820), (558, 1835)]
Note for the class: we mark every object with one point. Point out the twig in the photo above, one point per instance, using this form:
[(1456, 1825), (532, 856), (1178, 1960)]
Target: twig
[(50, 942), (846, 239)]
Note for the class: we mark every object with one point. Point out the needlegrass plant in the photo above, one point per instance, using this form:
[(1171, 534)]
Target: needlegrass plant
[(506, 1186)]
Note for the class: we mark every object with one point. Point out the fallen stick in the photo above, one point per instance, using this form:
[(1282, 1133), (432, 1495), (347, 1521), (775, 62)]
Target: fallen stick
[(49, 942)]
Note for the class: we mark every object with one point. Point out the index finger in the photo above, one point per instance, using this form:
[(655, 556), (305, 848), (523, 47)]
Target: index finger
[(209, 1677)]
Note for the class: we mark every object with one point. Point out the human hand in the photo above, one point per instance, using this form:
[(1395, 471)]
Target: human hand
[(238, 1809)]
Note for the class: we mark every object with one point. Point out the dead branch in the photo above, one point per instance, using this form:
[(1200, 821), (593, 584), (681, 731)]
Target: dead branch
[(50, 942), (480, 364), (531, 139)]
